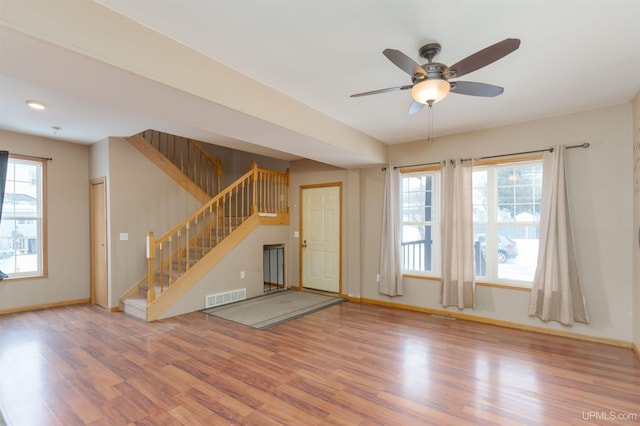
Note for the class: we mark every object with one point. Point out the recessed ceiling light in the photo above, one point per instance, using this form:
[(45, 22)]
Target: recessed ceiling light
[(36, 105)]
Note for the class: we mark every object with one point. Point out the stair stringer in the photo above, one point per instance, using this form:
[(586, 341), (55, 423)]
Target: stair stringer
[(153, 155), (182, 285)]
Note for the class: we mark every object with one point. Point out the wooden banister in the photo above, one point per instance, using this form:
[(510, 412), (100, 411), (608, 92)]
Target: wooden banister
[(174, 253), (187, 154)]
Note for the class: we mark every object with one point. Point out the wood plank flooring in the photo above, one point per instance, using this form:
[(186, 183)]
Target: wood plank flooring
[(349, 364)]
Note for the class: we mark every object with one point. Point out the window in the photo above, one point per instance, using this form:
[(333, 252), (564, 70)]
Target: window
[(420, 201), (506, 219), (22, 227)]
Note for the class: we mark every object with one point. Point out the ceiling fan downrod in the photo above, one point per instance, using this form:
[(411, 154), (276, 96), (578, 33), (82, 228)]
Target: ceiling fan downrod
[(429, 51)]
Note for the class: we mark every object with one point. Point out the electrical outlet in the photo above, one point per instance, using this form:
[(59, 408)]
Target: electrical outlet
[(378, 278), (242, 275)]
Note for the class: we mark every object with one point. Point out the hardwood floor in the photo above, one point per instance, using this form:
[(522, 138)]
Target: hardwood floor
[(349, 364)]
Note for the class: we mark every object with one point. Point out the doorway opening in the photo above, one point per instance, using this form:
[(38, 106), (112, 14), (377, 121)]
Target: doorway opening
[(273, 266)]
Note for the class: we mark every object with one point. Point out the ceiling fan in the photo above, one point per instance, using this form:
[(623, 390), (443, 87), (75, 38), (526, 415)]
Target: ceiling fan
[(430, 82)]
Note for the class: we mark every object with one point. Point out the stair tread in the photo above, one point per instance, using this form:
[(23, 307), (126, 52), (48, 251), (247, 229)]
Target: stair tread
[(135, 300), (136, 306)]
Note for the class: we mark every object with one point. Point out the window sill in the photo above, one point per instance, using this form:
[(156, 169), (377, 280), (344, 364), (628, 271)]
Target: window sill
[(24, 277), (501, 285), (421, 277), (478, 283)]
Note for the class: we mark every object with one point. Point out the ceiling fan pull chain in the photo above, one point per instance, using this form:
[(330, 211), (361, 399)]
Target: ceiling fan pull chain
[(430, 137)]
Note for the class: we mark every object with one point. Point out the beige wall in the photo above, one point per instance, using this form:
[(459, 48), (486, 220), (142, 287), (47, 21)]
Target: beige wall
[(141, 198), (599, 179), (68, 224), (245, 257), (636, 220), (243, 161), (99, 159), (236, 163)]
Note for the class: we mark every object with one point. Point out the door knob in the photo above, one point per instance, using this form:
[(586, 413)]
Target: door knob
[(304, 243)]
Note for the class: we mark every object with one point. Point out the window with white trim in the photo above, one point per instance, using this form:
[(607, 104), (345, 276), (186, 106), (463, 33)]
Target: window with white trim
[(506, 220), (420, 203), (22, 226)]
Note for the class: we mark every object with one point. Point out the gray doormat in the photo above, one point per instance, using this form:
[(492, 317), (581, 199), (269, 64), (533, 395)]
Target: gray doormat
[(273, 309)]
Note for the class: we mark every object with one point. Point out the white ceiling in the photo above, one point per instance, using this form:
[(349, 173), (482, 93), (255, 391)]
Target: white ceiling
[(574, 56)]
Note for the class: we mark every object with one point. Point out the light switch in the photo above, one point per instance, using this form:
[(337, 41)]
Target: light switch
[(124, 236), (296, 234)]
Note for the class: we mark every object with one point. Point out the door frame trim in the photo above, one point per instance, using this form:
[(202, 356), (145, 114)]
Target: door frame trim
[(301, 213), (92, 183)]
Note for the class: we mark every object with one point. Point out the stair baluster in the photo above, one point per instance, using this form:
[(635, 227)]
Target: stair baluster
[(188, 156), (251, 194)]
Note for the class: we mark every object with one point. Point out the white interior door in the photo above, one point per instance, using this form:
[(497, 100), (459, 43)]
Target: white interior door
[(320, 239)]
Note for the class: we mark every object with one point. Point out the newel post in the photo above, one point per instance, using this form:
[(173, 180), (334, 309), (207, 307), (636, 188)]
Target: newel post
[(151, 294), (254, 178)]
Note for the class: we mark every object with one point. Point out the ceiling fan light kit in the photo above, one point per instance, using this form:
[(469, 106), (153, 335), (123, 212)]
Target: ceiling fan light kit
[(430, 90), (430, 82), (431, 87)]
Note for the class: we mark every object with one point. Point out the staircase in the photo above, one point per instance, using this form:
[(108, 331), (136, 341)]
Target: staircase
[(163, 277), (181, 256)]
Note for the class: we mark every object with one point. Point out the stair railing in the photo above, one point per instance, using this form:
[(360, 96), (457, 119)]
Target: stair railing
[(186, 154), (172, 254)]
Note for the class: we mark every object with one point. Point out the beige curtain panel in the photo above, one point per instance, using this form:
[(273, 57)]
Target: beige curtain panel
[(458, 275), (556, 294), (390, 257)]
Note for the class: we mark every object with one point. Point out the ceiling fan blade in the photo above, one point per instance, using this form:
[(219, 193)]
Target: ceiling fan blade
[(484, 57), (375, 92), (403, 62), (415, 107), (475, 89)]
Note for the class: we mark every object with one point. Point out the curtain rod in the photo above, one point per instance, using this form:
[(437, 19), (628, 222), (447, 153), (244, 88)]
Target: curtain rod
[(32, 156), (582, 145)]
